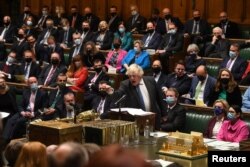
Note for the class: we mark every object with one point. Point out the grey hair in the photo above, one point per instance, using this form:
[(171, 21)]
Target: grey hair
[(135, 69)]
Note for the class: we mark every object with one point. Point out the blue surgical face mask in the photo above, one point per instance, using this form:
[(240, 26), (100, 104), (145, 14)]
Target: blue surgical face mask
[(78, 41), (136, 50), (172, 32), (231, 116), (10, 60), (217, 111), (121, 30), (170, 100), (33, 87), (232, 54)]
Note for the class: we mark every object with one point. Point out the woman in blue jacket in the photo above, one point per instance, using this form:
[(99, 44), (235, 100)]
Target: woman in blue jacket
[(137, 56)]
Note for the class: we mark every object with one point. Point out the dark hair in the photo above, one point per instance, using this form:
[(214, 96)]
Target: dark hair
[(181, 62), (237, 109), (236, 45), (175, 91), (231, 84), (12, 151), (156, 11)]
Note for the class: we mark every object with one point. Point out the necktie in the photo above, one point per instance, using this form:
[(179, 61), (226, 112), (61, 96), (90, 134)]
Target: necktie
[(195, 28), (169, 42), (40, 23), (140, 98), (100, 106), (3, 33), (133, 20), (229, 63), (26, 70), (198, 90), (32, 101), (49, 77), (58, 95), (76, 51), (73, 22), (65, 37), (148, 39)]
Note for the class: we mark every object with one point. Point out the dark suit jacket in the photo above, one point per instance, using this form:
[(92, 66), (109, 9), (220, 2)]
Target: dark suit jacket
[(218, 50), (20, 20), (94, 22), (40, 100), (88, 37), (113, 27), (176, 43), (96, 101), (71, 52), (176, 118), (94, 87), (177, 22), (204, 27), (208, 90), (44, 23), (162, 79), (209, 131), (53, 32), (182, 84), (9, 34), (69, 39), (238, 67), (48, 51), (139, 24), (34, 69), (19, 49), (193, 63), (107, 41), (132, 98), (160, 25), (233, 98), (78, 23), (12, 70), (40, 51), (154, 41), (232, 30), (44, 73)]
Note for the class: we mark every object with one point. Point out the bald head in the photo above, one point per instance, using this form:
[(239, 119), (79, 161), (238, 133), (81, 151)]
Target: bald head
[(201, 72)]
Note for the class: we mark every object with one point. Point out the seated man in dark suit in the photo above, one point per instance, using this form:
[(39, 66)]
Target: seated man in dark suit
[(136, 23), (178, 79), (91, 84), (77, 47), (202, 86), (33, 99), (230, 28), (114, 20), (91, 18), (9, 68), (50, 30), (169, 18), (49, 73), (86, 33), (41, 24), (55, 101), (28, 67), (141, 93), (219, 46), (75, 19), (159, 76), (172, 42), (65, 34), (102, 103), (235, 63), (51, 48), (151, 39), (22, 18), (174, 118), (197, 29), (20, 45), (7, 33), (159, 22)]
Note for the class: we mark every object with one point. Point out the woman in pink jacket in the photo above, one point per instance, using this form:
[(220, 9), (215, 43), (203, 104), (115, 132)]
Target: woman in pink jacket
[(115, 57), (233, 129)]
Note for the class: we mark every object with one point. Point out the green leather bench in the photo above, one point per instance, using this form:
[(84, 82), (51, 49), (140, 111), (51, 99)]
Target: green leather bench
[(245, 53)]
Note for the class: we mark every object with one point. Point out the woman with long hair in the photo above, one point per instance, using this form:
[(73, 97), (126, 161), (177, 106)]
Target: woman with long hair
[(77, 74), (33, 154), (226, 88)]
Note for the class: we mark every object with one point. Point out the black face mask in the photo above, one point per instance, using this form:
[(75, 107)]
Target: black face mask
[(224, 80), (74, 14), (201, 78), (150, 31), (99, 69), (156, 70), (61, 85), (168, 16), (2, 87), (88, 14), (6, 24), (197, 18), (85, 29), (113, 14), (28, 60), (54, 61), (223, 21), (103, 93), (20, 36), (116, 45), (88, 52), (219, 37), (27, 12), (193, 55)]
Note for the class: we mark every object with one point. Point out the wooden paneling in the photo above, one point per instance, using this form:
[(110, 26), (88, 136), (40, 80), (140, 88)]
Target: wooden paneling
[(210, 9)]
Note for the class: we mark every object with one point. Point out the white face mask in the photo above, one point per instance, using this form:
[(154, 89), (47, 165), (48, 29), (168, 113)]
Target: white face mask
[(78, 41), (29, 23), (173, 31), (10, 60), (65, 28), (134, 13), (44, 12)]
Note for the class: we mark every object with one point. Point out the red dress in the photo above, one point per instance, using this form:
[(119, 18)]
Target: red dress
[(81, 75)]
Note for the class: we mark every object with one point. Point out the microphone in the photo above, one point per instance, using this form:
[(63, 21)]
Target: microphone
[(121, 99)]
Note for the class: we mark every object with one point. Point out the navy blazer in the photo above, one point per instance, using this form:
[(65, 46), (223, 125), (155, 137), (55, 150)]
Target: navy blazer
[(176, 43), (154, 41), (208, 90), (238, 67), (132, 98)]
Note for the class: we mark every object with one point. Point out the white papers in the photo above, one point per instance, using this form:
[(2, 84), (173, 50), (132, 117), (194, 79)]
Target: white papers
[(150, 51), (4, 114), (111, 70), (158, 134), (207, 140), (132, 111), (163, 162), (223, 145)]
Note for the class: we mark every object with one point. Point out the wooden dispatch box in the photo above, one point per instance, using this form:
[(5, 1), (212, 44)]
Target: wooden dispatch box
[(55, 132)]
